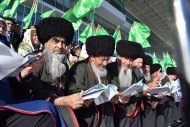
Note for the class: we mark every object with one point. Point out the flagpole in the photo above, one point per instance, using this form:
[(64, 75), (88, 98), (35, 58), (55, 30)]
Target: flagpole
[(93, 25), (23, 15), (42, 5), (36, 14)]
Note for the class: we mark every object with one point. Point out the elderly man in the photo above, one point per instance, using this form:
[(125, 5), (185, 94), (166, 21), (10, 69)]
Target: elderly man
[(22, 112), (123, 77), (49, 83), (137, 65), (89, 72)]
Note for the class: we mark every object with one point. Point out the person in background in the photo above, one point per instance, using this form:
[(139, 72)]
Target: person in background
[(13, 37), (3, 30), (137, 65), (30, 43)]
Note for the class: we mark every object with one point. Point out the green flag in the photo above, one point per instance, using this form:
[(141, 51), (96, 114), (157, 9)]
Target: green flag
[(28, 18), (167, 59), (82, 7), (101, 31), (47, 14), (145, 44), (70, 16), (6, 13), (139, 33), (174, 63), (14, 8), (76, 22), (117, 37), (117, 34), (87, 32), (163, 65), (154, 58), (4, 5)]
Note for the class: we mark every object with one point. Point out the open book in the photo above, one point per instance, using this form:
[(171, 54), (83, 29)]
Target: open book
[(12, 63), (100, 93), (133, 89), (159, 90)]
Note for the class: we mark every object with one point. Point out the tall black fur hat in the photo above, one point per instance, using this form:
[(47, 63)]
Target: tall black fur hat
[(171, 71), (129, 49), (155, 67), (147, 60), (102, 45), (55, 26)]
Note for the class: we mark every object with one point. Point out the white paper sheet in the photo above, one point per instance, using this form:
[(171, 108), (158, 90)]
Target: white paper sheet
[(133, 89), (159, 90), (106, 95), (10, 61)]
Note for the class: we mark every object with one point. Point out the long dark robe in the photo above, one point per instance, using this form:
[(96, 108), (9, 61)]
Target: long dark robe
[(42, 86), (82, 77), (126, 115), (22, 112)]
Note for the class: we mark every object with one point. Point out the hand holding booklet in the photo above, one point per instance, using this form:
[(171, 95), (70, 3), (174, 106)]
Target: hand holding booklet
[(133, 89), (100, 93)]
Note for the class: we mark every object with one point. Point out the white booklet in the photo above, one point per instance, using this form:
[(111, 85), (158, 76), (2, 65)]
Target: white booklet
[(133, 89), (158, 90), (100, 93), (11, 63)]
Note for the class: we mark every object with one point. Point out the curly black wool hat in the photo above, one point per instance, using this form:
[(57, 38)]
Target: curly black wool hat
[(171, 71), (102, 45), (147, 60), (129, 49), (55, 26), (155, 67)]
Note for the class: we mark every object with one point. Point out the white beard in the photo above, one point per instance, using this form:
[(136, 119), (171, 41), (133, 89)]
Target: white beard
[(147, 77), (101, 72), (56, 64), (125, 77)]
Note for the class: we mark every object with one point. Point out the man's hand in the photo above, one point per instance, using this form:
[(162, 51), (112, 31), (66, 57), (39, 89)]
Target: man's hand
[(115, 98), (33, 67), (74, 101), (87, 103), (124, 99)]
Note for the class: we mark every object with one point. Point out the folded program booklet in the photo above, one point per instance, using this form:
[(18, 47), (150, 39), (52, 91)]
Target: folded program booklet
[(159, 90), (100, 93), (133, 89)]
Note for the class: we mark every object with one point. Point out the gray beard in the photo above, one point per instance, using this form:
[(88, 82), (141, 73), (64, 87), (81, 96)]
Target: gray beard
[(125, 78), (147, 77), (55, 64), (102, 72)]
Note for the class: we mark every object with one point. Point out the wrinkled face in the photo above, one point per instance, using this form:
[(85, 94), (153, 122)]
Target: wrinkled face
[(56, 45), (138, 63), (147, 69), (125, 62), (100, 61), (9, 25)]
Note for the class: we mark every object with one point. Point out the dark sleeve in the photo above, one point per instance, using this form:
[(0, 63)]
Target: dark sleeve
[(76, 81)]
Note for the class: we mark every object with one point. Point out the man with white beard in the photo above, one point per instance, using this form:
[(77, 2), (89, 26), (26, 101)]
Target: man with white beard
[(89, 72), (147, 62), (123, 77), (137, 65), (49, 83)]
